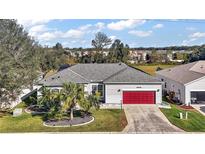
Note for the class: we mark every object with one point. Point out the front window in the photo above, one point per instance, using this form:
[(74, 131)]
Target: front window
[(100, 89), (97, 88), (94, 88)]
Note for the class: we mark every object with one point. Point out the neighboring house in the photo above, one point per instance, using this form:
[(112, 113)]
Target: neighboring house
[(117, 83), (170, 57), (186, 81)]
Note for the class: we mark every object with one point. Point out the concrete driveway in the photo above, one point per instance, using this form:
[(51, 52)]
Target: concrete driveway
[(147, 119), (200, 108)]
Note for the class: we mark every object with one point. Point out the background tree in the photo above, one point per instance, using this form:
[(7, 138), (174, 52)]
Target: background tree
[(52, 58), (19, 63), (156, 57), (58, 46), (101, 40), (119, 51)]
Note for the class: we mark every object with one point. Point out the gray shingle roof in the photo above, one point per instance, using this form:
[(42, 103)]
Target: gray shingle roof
[(184, 73), (131, 75), (63, 76), (98, 72), (107, 73)]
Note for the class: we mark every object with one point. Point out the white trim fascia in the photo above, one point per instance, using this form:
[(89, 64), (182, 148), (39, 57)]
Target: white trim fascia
[(133, 82), (140, 89), (195, 90), (194, 80)]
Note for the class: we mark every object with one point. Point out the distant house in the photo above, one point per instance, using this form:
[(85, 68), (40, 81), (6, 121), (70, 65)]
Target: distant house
[(186, 81), (170, 58), (136, 56), (117, 83)]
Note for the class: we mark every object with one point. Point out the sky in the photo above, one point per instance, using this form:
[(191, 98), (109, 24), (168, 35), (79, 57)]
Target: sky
[(136, 33)]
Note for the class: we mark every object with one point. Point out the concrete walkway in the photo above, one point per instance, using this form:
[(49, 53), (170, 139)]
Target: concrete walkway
[(147, 119)]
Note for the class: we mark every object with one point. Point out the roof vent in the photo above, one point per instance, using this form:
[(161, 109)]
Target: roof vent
[(52, 78), (58, 76), (201, 66), (120, 63)]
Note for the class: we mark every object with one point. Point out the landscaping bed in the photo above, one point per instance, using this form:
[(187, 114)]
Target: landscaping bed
[(34, 109), (186, 107), (76, 121)]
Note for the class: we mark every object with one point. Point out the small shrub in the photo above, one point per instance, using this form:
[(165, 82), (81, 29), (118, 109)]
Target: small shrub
[(158, 68)]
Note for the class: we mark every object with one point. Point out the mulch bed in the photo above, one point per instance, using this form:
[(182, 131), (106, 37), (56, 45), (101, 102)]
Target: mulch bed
[(68, 122), (34, 109), (186, 107)]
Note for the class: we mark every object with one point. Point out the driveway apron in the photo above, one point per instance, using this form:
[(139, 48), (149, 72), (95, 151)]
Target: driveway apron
[(147, 119)]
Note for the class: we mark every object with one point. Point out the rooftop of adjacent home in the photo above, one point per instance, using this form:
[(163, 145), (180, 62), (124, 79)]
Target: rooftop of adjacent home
[(185, 73)]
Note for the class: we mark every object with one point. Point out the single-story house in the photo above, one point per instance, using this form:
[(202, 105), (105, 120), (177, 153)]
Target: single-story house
[(116, 82), (186, 81)]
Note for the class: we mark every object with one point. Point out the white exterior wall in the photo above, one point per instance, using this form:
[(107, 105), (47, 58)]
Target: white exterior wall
[(173, 86), (197, 85), (113, 92), (88, 87)]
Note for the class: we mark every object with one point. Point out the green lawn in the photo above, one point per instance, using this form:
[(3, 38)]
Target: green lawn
[(112, 120), (195, 122), (151, 69)]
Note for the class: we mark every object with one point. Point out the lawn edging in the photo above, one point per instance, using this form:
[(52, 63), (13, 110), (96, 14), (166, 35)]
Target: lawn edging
[(85, 123)]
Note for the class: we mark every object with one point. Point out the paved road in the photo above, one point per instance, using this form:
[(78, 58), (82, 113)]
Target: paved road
[(147, 119)]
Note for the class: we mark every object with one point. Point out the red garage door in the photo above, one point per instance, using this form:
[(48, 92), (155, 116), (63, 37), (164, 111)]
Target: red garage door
[(138, 97)]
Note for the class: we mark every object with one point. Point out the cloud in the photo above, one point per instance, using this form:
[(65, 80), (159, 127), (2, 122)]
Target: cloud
[(40, 30), (48, 36), (70, 34), (140, 33), (112, 37), (85, 27), (100, 25), (73, 33), (189, 41), (158, 26), (35, 30), (190, 28), (193, 37), (43, 33), (123, 24), (197, 35), (32, 22)]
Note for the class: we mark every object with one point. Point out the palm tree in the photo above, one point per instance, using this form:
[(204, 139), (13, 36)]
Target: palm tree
[(46, 97), (72, 94)]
